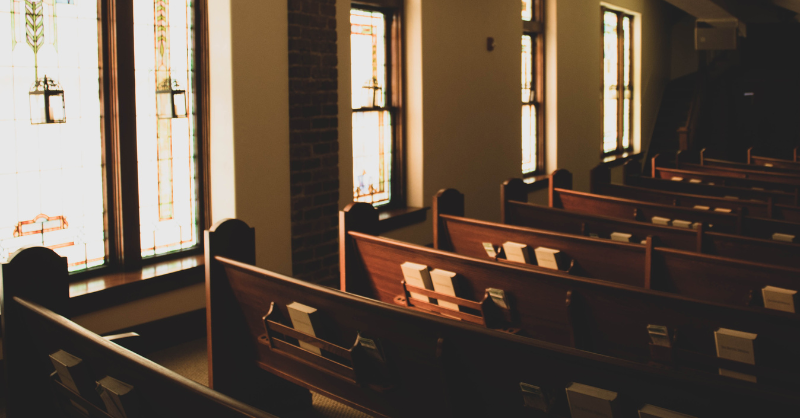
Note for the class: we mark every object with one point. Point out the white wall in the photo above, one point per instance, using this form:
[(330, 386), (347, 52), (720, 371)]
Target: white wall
[(249, 63)]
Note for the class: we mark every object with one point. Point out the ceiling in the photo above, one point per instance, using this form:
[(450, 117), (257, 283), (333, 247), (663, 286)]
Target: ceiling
[(748, 11)]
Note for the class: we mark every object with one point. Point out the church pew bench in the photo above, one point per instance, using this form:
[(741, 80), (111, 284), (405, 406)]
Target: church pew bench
[(33, 283), (707, 157), (594, 315), (561, 196), (790, 157), (691, 274), (454, 368), (600, 183), (516, 211)]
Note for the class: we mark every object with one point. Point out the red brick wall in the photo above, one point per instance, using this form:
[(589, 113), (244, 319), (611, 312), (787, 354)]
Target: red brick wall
[(314, 139)]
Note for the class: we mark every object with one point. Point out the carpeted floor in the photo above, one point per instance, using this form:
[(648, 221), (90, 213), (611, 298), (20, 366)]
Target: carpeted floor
[(189, 360)]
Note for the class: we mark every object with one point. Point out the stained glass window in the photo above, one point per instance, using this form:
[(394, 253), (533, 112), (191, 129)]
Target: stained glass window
[(527, 10), (51, 174), (166, 125), (529, 119), (373, 133), (617, 85)]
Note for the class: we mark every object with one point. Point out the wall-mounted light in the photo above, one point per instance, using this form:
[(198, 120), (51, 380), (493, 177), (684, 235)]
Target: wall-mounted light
[(170, 100), (47, 102)]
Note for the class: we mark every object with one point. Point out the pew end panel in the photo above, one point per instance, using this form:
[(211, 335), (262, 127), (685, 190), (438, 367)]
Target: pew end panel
[(39, 275), (631, 169), (512, 190), (560, 179), (601, 174), (360, 217), (445, 202), (231, 352)]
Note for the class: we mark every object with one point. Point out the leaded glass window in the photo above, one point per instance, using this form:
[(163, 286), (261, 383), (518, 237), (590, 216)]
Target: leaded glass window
[(166, 134), (51, 164), (373, 115), (617, 81), (532, 86)]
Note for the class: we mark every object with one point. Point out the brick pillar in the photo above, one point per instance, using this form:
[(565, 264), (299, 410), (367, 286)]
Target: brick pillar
[(314, 140)]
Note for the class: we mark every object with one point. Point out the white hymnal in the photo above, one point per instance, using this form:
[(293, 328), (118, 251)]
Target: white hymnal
[(303, 318), (677, 179), (621, 237), (490, 251), (516, 252), (722, 210), (444, 283), (695, 181), (701, 207), (498, 297), (782, 237), (778, 298), (417, 275), (682, 224), (650, 411), (736, 345), (590, 402), (768, 165), (549, 258), (737, 375), (661, 221), (710, 183)]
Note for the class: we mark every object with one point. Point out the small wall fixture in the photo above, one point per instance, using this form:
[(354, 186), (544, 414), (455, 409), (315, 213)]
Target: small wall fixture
[(490, 44), (47, 102), (170, 100)]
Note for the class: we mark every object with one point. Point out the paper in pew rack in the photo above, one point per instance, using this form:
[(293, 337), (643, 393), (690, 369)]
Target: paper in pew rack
[(701, 207), (305, 319), (657, 220), (778, 298), (490, 250), (682, 224), (444, 282), (677, 179), (695, 181), (499, 297), (782, 237), (591, 402), (736, 345), (621, 237), (550, 258)]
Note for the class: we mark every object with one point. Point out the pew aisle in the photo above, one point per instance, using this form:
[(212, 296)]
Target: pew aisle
[(190, 360)]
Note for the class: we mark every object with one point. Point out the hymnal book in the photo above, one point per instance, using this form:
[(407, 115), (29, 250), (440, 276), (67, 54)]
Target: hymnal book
[(778, 298), (536, 397), (550, 258), (722, 210), (490, 250), (417, 275), (590, 402), (498, 297), (621, 237), (767, 164), (738, 375), (516, 252), (682, 224), (736, 345), (782, 237), (444, 282), (303, 319), (695, 181), (659, 335), (119, 398), (650, 411), (677, 179), (661, 221), (701, 207), (710, 183)]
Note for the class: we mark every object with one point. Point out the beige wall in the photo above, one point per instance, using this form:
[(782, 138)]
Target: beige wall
[(250, 122), (684, 56), (576, 59)]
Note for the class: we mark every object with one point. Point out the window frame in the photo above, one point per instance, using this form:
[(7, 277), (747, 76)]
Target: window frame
[(395, 94), (535, 29), (119, 138), (620, 150)]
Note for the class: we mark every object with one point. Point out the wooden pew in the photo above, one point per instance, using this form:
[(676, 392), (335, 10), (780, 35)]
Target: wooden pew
[(594, 315), (720, 177), (700, 276), (706, 157), (792, 163), (562, 197), (32, 333), (469, 371), (516, 211), (601, 184), (632, 177)]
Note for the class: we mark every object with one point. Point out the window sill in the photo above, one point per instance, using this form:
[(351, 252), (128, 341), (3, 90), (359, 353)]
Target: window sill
[(391, 219), (536, 183), (619, 159), (107, 290)]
